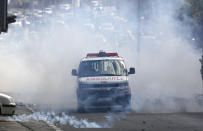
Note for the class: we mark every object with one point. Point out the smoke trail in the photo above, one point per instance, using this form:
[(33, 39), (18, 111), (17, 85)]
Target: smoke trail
[(53, 118)]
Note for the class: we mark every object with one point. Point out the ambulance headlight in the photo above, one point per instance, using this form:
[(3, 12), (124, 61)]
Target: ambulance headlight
[(124, 85), (12, 100)]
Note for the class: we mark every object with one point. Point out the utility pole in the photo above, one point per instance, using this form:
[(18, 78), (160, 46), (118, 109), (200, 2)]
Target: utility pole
[(5, 19), (3, 16), (138, 30), (76, 4), (138, 21)]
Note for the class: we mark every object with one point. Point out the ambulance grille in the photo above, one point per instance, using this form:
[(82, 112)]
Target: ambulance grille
[(103, 85)]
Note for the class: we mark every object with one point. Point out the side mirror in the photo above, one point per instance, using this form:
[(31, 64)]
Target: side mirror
[(74, 72), (132, 71)]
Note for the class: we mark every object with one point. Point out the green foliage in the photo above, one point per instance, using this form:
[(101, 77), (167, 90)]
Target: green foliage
[(194, 9)]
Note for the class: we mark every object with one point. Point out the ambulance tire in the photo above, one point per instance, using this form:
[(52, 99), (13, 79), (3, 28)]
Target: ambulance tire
[(126, 104), (81, 108)]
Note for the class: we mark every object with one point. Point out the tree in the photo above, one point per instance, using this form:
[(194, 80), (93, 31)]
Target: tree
[(194, 10)]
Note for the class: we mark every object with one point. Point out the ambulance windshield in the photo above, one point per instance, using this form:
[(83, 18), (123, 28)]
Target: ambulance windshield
[(102, 68)]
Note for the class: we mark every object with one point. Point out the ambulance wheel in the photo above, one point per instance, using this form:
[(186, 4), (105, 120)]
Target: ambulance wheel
[(81, 108), (126, 104)]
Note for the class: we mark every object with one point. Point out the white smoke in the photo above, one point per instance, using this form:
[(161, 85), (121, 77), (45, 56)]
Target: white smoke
[(168, 67), (53, 118)]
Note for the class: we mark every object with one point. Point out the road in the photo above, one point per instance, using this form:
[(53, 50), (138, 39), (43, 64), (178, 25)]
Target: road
[(26, 119), (147, 121)]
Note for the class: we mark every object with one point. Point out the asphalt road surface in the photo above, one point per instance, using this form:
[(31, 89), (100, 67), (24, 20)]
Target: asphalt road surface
[(26, 119)]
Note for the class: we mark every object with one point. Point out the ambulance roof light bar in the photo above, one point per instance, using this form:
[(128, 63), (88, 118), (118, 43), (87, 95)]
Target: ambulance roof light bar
[(101, 54)]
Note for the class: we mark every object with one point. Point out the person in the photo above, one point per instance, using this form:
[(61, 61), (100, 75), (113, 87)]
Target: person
[(201, 70)]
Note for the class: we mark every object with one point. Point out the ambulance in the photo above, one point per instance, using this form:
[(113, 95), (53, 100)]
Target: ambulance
[(102, 82)]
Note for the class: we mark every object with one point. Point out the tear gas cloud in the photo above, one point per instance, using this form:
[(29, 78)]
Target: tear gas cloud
[(168, 70), (36, 62)]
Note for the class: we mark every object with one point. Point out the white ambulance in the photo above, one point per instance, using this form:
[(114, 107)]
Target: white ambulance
[(103, 81)]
